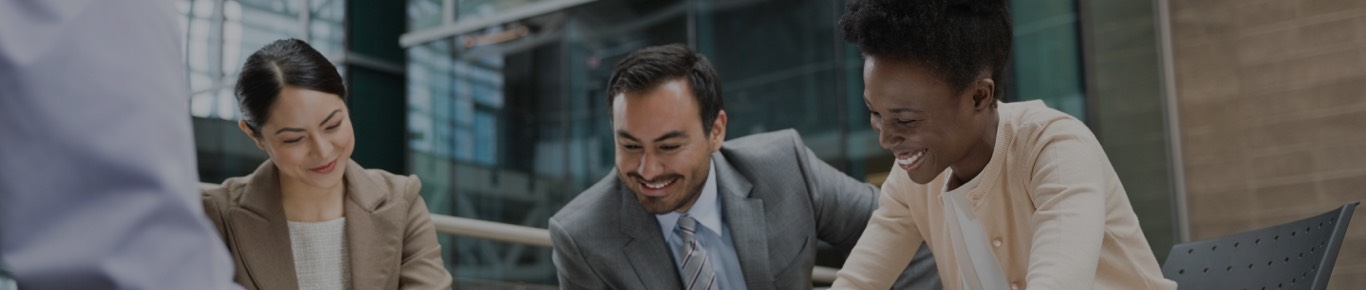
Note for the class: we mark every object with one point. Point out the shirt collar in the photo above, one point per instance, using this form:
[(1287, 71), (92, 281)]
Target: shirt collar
[(964, 189), (706, 210)]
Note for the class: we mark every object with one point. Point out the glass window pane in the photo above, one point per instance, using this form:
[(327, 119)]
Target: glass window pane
[(423, 14), (1047, 60), (465, 9)]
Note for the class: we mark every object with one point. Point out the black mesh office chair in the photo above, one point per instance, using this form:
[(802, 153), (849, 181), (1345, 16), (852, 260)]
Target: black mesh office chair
[(1297, 255)]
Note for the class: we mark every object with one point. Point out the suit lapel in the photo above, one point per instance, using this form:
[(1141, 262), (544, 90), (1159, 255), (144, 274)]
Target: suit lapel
[(372, 237), (649, 254), (262, 234), (744, 215), (646, 250)]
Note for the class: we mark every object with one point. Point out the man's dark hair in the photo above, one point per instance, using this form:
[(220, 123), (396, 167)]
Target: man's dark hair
[(285, 62), (956, 39), (647, 68)]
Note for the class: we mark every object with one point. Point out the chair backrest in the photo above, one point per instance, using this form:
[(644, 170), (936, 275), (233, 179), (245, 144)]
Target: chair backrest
[(1296, 255)]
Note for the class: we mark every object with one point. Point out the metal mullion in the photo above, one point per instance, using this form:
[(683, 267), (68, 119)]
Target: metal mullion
[(305, 12), (218, 20)]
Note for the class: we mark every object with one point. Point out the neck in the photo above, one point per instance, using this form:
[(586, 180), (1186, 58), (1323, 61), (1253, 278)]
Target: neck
[(696, 194), (978, 156), (689, 204), (307, 203)]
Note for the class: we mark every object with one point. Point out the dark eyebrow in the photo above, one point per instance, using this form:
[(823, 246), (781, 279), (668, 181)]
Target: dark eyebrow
[(282, 130), (329, 117), (671, 134), (624, 135), (894, 111)]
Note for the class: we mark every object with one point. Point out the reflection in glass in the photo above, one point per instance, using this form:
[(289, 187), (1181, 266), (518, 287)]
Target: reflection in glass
[(423, 14), (220, 34)]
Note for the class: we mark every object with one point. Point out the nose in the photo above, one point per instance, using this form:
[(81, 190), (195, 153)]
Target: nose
[(649, 166), (322, 147), (887, 138)]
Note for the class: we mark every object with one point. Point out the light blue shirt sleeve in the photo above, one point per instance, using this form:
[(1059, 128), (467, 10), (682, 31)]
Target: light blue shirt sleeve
[(98, 184)]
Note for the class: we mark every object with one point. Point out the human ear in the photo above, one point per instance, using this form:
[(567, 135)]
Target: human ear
[(242, 124)]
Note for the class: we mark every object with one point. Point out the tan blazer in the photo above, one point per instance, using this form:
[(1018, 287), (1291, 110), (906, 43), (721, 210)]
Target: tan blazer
[(1049, 202), (390, 238)]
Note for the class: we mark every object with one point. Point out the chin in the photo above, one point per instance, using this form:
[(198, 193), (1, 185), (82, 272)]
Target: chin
[(328, 181), (921, 179), (653, 205)]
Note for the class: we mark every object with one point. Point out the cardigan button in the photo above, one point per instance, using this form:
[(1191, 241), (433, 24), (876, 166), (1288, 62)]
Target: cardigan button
[(996, 243), (1015, 286)]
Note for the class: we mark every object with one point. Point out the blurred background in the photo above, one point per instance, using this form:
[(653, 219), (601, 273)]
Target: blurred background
[(1220, 116)]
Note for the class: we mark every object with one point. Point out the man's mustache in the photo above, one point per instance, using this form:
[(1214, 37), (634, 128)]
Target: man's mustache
[(637, 177)]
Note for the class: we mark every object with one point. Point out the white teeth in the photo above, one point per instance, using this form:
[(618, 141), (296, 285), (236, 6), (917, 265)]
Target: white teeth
[(659, 185), (910, 160)]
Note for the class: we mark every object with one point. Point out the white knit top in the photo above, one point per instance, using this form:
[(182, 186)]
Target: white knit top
[(320, 256), (977, 266)]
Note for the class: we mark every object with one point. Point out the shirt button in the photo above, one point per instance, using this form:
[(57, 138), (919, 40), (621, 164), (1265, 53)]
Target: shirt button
[(996, 243)]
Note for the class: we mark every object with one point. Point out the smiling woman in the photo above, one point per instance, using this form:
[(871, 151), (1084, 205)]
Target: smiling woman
[(1007, 195), (309, 217)]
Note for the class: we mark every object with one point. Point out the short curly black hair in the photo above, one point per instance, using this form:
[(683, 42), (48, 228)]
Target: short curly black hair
[(957, 39)]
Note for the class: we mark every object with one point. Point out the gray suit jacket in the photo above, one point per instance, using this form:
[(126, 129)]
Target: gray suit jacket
[(776, 196)]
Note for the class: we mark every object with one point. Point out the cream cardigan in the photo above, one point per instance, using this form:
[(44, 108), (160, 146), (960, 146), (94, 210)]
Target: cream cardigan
[(1049, 201)]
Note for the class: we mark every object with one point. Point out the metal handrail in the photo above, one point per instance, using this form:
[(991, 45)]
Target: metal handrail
[(467, 227), (534, 236)]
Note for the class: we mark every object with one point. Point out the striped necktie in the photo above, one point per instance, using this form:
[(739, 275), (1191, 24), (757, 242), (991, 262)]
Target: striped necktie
[(697, 271)]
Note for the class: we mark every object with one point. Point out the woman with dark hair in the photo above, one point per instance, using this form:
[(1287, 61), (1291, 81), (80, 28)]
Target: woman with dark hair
[(309, 217), (1007, 195)]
